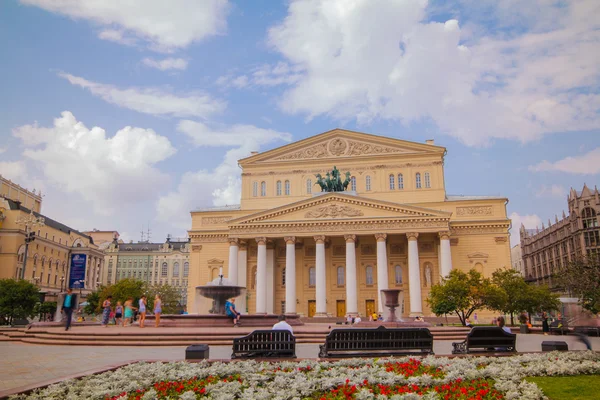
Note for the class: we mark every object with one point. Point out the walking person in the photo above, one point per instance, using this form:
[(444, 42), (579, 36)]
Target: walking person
[(67, 307), (128, 316), (106, 309), (118, 314), (545, 326), (142, 311), (157, 310)]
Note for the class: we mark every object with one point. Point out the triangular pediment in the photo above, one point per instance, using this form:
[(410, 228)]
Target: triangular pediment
[(340, 144), (339, 206), (478, 254)]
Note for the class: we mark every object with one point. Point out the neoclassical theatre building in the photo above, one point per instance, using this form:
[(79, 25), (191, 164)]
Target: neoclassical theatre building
[(299, 250)]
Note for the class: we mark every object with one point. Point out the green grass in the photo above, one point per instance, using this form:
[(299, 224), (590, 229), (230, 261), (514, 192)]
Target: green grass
[(579, 387)]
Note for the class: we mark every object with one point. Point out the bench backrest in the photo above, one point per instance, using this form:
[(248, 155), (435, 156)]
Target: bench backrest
[(484, 336), (281, 341), (379, 338)]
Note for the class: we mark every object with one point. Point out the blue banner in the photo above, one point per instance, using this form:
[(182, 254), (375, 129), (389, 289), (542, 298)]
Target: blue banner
[(77, 276)]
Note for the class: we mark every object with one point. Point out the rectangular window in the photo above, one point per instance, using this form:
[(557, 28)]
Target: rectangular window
[(283, 306), (165, 269), (400, 182), (312, 279), (392, 182), (254, 189)]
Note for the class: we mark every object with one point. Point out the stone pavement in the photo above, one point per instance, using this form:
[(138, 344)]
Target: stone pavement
[(25, 365)]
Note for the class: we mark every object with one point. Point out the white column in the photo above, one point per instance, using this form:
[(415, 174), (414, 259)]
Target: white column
[(382, 269), (290, 275), (414, 275), (446, 255), (351, 282), (242, 274), (321, 278), (271, 279), (261, 276), (232, 272)]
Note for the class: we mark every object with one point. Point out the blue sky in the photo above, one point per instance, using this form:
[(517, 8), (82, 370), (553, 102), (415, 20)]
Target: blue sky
[(130, 113)]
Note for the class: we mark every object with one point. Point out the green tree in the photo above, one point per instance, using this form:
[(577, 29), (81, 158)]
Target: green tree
[(169, 295), (581, 277), (120, 291), (17, 299), (42, 310), (463, 293), (518, 296)]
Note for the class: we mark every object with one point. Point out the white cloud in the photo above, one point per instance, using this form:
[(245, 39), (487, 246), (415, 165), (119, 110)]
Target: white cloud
[(166, 64), (236, 135), (108, 172), (221, 185), (164, 25), (588, 163), (264, 75), (530, 221), (355, 60), (2, 150), (551, 191), (14, 170), (151, 100)]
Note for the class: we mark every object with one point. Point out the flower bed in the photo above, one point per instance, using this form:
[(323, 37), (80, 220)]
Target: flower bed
[(394, 378)]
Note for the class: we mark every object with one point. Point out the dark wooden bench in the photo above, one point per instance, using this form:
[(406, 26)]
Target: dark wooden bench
[(559, 326), (486, 338), (265, 343), (373, 342), (587, 330)]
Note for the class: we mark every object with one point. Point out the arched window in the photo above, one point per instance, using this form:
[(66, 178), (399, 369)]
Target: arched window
[(254, 189), (427, 180), (312, 278), (164, 270), (369, 275), (176, 269), (287, 188), (392, 185), (353, 184), (263, 188), (400, 182), (418, 180), (589, 218), (278, 188), (283, 277), (186, 269), (309, 186), (398, 274), (341, 277), (368, 182)]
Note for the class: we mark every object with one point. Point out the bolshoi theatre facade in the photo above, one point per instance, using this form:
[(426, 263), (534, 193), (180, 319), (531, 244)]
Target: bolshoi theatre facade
[(300, 250)]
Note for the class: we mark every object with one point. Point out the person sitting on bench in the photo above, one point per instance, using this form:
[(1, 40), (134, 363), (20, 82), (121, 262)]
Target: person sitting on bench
[(282, 325), (231, 312)]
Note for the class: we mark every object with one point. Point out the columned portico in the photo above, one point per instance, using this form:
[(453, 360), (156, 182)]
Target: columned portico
[(290, 275), (382, 269), (351, 295), (232, 272), (414, 275), (445, 255), (321, 273), (261, 276)]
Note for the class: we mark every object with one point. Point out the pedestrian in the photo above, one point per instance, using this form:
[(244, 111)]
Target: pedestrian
[(106, 309), (545, 326), (157, 310), (231, 312), (142, 310), (128, 316), (118, 313), (67, 307), (282, 325)]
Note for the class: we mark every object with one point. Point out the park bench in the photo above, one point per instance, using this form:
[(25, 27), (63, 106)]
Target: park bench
[(486, 338), (560, 326), (265, 343), (587, 330), (373, 342)]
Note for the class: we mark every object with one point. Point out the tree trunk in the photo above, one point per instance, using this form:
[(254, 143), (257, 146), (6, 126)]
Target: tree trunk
[(512, 321)]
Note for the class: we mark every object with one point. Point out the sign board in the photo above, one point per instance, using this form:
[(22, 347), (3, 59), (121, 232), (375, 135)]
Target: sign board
[(78, 264)]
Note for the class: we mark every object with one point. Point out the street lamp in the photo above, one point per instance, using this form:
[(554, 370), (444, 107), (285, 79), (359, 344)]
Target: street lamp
[(62, 280), (37, 280), (29, 222)]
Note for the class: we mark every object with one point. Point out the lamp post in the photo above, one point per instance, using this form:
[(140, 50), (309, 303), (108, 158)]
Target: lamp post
[(62, 281), (29, 222), (37, 280)]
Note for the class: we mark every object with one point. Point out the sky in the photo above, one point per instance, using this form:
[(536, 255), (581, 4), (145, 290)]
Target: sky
[(127, 114)]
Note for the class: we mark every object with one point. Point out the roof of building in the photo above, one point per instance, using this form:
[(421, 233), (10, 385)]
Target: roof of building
[(233, 207), (16, 205), (462, 197)]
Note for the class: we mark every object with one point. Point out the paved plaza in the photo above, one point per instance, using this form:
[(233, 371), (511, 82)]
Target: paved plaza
[(24, 365)]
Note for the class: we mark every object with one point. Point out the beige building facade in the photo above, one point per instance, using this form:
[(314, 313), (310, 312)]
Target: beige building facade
[(300, 250)]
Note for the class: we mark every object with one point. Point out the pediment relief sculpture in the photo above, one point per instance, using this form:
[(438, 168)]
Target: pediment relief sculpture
[(334, 211), (477, 255), (340, 147)]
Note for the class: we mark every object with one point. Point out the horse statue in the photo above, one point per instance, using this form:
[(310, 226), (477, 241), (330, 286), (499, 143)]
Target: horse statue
[(333, 181)]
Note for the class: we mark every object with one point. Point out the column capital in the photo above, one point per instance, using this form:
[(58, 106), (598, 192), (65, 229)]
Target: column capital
[(243, 244), (444, 235), (412, 235), (319, 238), (290, 239), (261, 240), (233, 241), (381, 237), (350, 238)]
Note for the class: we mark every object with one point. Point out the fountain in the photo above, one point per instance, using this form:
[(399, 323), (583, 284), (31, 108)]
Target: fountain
[(219, 290), (391, 302)]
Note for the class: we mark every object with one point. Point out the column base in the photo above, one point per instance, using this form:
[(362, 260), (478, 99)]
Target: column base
[(320, 315)]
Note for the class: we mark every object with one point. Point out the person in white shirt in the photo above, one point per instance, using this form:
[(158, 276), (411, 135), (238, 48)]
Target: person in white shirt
[(357, 319), (282, 325)]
